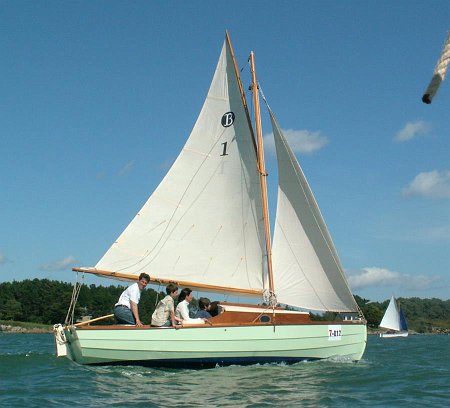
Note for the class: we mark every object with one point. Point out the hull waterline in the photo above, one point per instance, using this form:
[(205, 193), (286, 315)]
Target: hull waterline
[(392, 335)]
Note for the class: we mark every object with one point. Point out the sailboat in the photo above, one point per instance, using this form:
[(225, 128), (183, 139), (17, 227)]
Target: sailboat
[(206, 227), (394, 321)]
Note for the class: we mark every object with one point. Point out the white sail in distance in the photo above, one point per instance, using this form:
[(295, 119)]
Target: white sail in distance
[(391, 318), (203, 223), (306, 268), (439, 73)]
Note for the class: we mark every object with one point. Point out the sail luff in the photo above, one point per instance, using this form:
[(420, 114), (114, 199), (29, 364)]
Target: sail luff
[(241, 89), (262, 171)]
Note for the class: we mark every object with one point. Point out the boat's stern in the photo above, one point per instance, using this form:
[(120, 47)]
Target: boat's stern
[(62, 344)]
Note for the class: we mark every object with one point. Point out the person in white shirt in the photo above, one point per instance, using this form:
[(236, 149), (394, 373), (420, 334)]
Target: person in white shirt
[(182, 311), (126, 309)]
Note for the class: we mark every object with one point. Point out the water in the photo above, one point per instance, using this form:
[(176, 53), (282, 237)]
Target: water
[(411, 372)]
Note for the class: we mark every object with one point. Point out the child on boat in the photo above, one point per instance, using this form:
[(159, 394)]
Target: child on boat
[(204, 304), (164, 314)]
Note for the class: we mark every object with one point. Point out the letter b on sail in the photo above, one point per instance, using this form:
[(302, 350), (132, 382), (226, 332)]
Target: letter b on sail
[(227, 119)]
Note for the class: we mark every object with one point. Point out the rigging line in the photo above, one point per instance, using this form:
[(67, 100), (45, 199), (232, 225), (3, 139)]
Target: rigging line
[(263, 96), (75, 293), (157, 294), (252, 118)]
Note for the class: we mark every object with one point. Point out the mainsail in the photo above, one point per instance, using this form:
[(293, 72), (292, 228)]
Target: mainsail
[(203, 224), (307, 271), (439, 72)]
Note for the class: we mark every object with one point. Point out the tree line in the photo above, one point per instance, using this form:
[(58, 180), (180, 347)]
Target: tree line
[(47, 301), (422, 315)]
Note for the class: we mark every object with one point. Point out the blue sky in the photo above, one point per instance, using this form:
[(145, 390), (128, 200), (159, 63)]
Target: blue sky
[(98, 97)]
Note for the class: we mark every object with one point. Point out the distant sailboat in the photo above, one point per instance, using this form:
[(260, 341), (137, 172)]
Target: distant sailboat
[(394, 321), (206, 227)]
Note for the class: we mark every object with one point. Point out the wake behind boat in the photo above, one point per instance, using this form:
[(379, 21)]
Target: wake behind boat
[(394, 321), (206, 227)]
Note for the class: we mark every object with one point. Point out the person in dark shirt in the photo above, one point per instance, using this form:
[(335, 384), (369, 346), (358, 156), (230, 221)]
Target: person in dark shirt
[(204, 304)]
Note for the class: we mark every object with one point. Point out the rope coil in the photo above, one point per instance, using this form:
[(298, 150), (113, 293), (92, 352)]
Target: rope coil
[(270, 298)]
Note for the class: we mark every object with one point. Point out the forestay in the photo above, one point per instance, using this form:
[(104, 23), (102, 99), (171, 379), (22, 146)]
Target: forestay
[(203, 223), (306, 268)]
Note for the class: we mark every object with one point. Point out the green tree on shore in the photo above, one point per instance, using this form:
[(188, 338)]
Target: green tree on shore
[(46, 302)]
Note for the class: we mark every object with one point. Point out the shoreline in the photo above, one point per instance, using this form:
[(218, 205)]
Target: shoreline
[(6, 328)]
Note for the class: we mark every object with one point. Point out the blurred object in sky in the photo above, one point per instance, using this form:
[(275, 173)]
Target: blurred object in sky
[(439, 73)]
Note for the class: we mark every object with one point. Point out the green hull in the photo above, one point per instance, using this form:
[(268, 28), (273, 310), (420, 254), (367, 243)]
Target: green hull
[(211, 346)]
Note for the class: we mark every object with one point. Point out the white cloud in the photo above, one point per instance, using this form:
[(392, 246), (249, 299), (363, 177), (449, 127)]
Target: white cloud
[(434, 184), (301, 141), (412, 130), (58, 265), (126, 169), (376, 277)]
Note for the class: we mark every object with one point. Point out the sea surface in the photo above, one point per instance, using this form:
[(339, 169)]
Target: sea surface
[(410, 372)]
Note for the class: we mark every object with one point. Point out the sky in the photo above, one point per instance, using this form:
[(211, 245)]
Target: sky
[(97, 98)]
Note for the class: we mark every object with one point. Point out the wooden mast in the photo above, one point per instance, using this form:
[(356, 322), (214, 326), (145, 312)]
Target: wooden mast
[(262, 169), (259, 149)]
